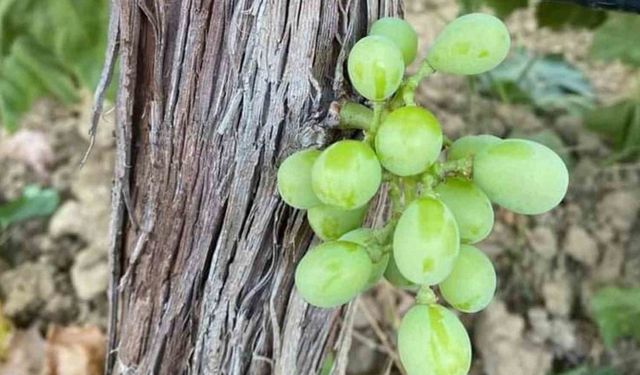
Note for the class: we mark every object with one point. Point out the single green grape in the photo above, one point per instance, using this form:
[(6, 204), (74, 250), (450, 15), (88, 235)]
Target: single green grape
[(472, 44), (376, 67), (426, 241), (470, 206), (470, 145), (522, 176), (346, 175), (408, 141), (329, 223), (472, 284), (294, 179), (401, 33), (433, 341), (365, 237), (393, 275), (333, 273)]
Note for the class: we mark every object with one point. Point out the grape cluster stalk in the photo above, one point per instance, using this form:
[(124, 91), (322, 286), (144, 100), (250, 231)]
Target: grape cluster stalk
[(441, 193)]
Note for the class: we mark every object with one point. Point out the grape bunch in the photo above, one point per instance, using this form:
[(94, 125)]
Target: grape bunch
[(440, 192)]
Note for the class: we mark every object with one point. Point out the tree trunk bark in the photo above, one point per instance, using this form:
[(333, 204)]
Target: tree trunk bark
[(212, 96)]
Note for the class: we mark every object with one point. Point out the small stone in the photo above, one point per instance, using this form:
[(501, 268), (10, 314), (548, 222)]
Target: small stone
[(540, 325), (68, 220), (610, 267), (90, 273), (581, 246), (558, 297), (564, 335), (26, 290), (543, 241), (619, 209), (504, 350)]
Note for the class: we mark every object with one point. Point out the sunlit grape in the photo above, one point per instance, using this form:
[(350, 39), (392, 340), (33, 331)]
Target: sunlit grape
[(433, 341), (346, 175), (522, 176), (472, 283), (470, 145), (426, 241), (401, 33), (329, 223), (408, 141), (376, 67), (470, 206), (333, 273), (471, 44), (294, 179)]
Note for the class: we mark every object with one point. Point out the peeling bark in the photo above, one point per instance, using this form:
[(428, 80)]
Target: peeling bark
[(212, 96)]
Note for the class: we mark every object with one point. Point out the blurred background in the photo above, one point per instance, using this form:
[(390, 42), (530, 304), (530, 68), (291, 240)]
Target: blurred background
[(568, 299)]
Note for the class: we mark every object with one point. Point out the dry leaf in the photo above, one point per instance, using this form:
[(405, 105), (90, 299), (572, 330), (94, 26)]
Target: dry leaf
[(30, 147), (75, 351), (25, 355)]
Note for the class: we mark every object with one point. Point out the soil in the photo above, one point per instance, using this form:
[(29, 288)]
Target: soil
[(55, 270)]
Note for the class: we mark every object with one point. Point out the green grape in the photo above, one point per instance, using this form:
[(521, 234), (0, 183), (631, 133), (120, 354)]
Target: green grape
[(346, 175), (329, 223), (470, 145), (401, 33), (375, 67), (408, 141), (294, 179), (426, 241), (472, 283), (393, 275), (522, 176), (433, 341), (470, 206), (365, 237), (471, 44), (333, 273)]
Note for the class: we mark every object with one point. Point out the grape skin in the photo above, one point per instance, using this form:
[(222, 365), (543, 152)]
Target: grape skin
[(472, 284), (294, 179), (470, 206), (522, 176), (470, 145), (426, 241), (346, 175), (364, 237), (472, 44), (392, 275), (408, 141), (333, 273), (401, 33), (329, 223), (433, 341), (375, 67)]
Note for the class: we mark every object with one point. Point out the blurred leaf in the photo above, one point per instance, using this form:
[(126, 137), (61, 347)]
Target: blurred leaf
[(561, 15), (548, 138), (617, 39), (327, 364), (34, 202), (617, 313), (48, 48), (547, 82), (620, 124), (503, 8)]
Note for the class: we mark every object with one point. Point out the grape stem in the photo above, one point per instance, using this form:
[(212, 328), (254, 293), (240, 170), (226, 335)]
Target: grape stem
[(407, 91), (355, 116), (370, 135), (426, 296)]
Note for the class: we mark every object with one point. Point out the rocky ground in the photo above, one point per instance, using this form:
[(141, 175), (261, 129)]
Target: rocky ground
[(55, 270)]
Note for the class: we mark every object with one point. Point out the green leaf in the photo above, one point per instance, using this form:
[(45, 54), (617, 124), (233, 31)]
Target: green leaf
[(619, 124), (504, 8), (562, 15), (34, 202), (549, 83), (617, 39), (617, 313)]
